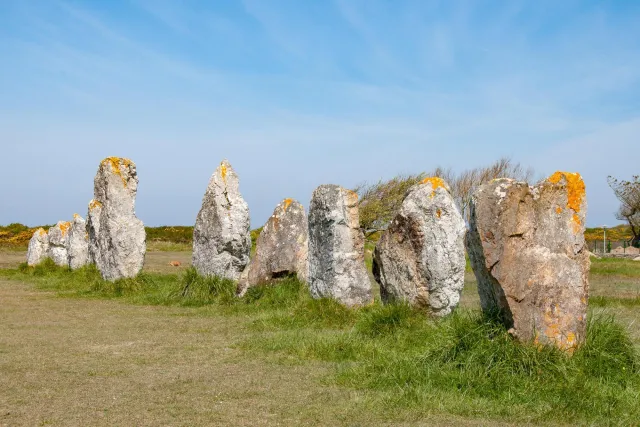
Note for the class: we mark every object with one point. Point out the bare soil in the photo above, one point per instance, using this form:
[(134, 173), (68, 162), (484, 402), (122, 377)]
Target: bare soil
[(73, 361)]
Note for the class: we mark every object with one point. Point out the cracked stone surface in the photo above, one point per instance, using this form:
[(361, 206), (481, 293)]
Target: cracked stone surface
[(58, 236), (221, 236), (281, 248), (117, 237), (336, 247), (93, 229), (420, 257), (528, 252), (38, 247), (78, 243)]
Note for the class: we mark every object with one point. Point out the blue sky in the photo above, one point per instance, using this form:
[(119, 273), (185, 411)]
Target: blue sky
[(300, 93)]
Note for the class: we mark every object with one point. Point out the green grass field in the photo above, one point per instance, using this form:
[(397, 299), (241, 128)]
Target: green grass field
[(404, 366)]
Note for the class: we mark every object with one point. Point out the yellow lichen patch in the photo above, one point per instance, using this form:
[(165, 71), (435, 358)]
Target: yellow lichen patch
[(41, 232), (76, 216), (115, 163), (439, 213), (558, 210), (223, 171), (287, 203), (94, 204), (575, 188), (435, 182), (64, 227)]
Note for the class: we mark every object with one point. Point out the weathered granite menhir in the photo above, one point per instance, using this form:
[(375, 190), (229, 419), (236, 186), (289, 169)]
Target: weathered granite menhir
[(336, 247), (528, 252), (420, 258), (221, 236), (117, 239), (281, 248)]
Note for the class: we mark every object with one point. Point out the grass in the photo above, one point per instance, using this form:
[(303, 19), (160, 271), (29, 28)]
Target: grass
[(618, 267), (406, 365)]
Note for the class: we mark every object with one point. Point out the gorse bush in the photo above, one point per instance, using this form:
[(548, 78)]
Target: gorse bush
[(405, 363)]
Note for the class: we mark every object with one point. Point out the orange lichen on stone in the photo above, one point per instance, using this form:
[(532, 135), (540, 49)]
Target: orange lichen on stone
[(76, 216), (575, 188), (287, 203), (558, 210), (94, 204), (435, 182), (115, 163), (576, 223), (223, 171), (64, 227), (439, 213), (41, 232)]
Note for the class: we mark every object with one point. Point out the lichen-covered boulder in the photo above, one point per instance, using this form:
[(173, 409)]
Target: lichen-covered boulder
[(281, 248), (38, 247), (93, 229), (120, 238), (58, 237), (420, 257), (528, 252), (336, 247), (78, 243), (221, 236)]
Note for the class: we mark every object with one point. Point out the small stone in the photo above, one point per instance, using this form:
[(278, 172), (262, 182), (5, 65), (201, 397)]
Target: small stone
[(221, 236), (420, 257), (529, 255), (281, 248), (58, 237), (78, 243), (336, 247), (117, 237), (38, 247), (637, 259)]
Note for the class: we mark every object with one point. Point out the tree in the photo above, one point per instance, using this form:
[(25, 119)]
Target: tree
[(380, 202), (628, 193)]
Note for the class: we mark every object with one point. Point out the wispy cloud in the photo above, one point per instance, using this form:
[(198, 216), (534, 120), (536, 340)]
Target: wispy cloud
[(324, 91)]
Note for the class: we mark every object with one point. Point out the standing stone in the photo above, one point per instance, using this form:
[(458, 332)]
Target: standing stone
[(78, 243), (120, 239), (528, 252), (93, 229), (58, 237), (221, 236), (281, 248), (336, 247), (420, 257), (38, 247)]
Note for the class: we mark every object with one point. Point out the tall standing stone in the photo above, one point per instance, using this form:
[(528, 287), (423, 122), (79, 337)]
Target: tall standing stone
[(336, 247), (420, 257), (281, 248), (38, 247), (78, 243), (528, 252), (120, 239), (221, 236), (93, 229), (58, 236)]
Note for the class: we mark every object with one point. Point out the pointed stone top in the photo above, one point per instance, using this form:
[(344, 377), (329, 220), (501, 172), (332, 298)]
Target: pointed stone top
[(116, 164)]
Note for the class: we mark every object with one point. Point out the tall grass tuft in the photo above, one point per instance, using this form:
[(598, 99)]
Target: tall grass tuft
[(199, 290)]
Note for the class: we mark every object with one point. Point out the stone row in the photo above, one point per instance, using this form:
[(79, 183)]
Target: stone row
[(112, 238), (525, 244)]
